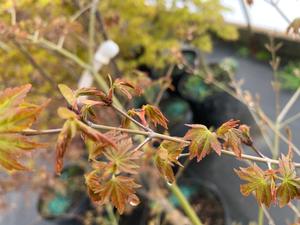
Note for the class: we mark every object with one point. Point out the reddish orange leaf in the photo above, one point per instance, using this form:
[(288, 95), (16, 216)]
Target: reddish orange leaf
[(225, 127), (125, 87), (119, 190), (16, 116), (289, 188), (155, 115), (64, 139), (202, 141), (12, 97), (11, 148)]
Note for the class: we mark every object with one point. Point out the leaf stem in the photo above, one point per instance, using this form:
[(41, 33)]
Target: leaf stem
[(185, 205)]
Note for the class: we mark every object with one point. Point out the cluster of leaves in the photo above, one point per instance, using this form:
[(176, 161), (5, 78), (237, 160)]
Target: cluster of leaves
[(230, 135), (147, 113), (111, 178), (111, 154), (268, 186), (115, 159), (16, 115)]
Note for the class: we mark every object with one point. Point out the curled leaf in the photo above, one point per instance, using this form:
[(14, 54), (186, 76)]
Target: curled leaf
[(64, 139), (155, 115), (125, 87), (68, 94)]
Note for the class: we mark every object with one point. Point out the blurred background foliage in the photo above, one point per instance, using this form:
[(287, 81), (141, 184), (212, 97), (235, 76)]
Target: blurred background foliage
[(148, 32)]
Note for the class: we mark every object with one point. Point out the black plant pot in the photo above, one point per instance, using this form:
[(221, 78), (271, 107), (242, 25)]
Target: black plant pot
[(205, 199), (178, 112), (65, 205)]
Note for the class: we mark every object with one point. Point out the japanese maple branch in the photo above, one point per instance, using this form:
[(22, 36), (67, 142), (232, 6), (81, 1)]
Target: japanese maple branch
[(152, 134)]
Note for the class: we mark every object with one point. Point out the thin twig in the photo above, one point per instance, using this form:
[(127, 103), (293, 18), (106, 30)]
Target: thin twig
[(288, 105), (167, 78), (294, 208), (268, 216), (32, 61), (290, 120), (130, 118), (153, 135)]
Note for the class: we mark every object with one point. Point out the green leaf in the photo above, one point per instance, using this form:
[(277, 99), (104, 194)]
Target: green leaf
[(258, 182), (202, 141), (167, 156), (68, 94), (66, 114)]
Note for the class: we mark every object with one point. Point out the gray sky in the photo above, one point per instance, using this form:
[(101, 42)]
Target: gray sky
[(262, 14)]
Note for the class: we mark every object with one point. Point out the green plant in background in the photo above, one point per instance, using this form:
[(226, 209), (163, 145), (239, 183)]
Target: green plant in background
[(154, 28), (289, 75)]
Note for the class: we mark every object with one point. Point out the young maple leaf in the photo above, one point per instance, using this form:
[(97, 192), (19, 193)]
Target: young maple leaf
[(232, 136), (225, 127), (125, 87), (12, 146), (166, 156), (289, 188), (122, 158), (119, 190), (68, 132), (69, 95), (96, 149), (16, 116), (155, 115), (12, 97), (202, 141), (258, 182)]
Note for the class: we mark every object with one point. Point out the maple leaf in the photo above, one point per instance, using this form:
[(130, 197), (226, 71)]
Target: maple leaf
[(64, 139), (135, 112), (11, 147), (155, 115), (225, 127), (16, 116), (289, 188), (166, 156), (202, 141), (258, 182), (124, 87), (68, 94), (96, 149), (232, 136), (12, 97), (119, 190), (122, 158), (68, 132)]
